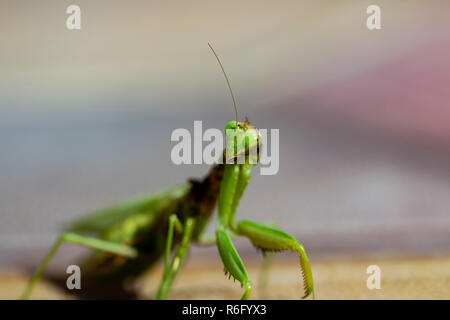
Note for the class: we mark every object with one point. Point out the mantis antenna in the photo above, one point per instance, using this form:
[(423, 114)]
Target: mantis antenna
[(226, 78)]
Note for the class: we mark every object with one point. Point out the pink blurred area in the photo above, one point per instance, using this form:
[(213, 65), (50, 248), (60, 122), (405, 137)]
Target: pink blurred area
[(407, 96)]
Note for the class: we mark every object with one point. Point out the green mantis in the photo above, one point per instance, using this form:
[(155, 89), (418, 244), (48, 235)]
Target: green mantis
[(130, 237)]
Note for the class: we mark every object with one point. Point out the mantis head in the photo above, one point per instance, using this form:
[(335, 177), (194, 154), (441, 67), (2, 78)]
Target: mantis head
[(242, 139)]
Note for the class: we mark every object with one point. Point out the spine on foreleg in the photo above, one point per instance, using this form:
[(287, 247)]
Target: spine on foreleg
[(306, 272)]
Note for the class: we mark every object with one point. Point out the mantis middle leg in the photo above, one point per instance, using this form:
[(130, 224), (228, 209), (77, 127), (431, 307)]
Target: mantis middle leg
[(171, 269)]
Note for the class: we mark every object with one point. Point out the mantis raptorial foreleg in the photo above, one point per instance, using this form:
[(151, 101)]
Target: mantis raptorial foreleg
[(211, 239), (272, 239), (171, 270), (235, 180), (85, 241), (232, 261), (268, 238)]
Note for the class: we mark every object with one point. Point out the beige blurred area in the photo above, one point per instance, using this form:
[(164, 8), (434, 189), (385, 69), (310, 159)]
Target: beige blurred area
[(410, 279), (86, 118)]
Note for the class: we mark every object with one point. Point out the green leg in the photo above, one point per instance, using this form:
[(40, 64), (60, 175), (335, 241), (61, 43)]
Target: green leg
[(209, 240), (233, 262), (272, 239), (266, 265), (74, 238), (171, 271), (235, 180), (174, 223), (264, 274)]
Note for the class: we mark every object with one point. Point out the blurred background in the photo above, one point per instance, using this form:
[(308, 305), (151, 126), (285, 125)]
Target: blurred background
[(86, 116)]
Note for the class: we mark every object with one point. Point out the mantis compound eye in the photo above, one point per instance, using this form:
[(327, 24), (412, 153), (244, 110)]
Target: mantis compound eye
[(231, 125), (242, 140)]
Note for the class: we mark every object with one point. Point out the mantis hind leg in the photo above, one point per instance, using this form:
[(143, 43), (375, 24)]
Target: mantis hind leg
[(93, 243), (232, 261), (272, 239), (171, 269), (264, 274)]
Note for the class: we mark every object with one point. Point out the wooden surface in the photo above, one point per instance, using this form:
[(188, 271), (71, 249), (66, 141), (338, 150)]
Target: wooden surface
[(427, 278)]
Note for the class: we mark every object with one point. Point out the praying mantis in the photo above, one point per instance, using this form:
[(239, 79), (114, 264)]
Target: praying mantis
[(130, 237)]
